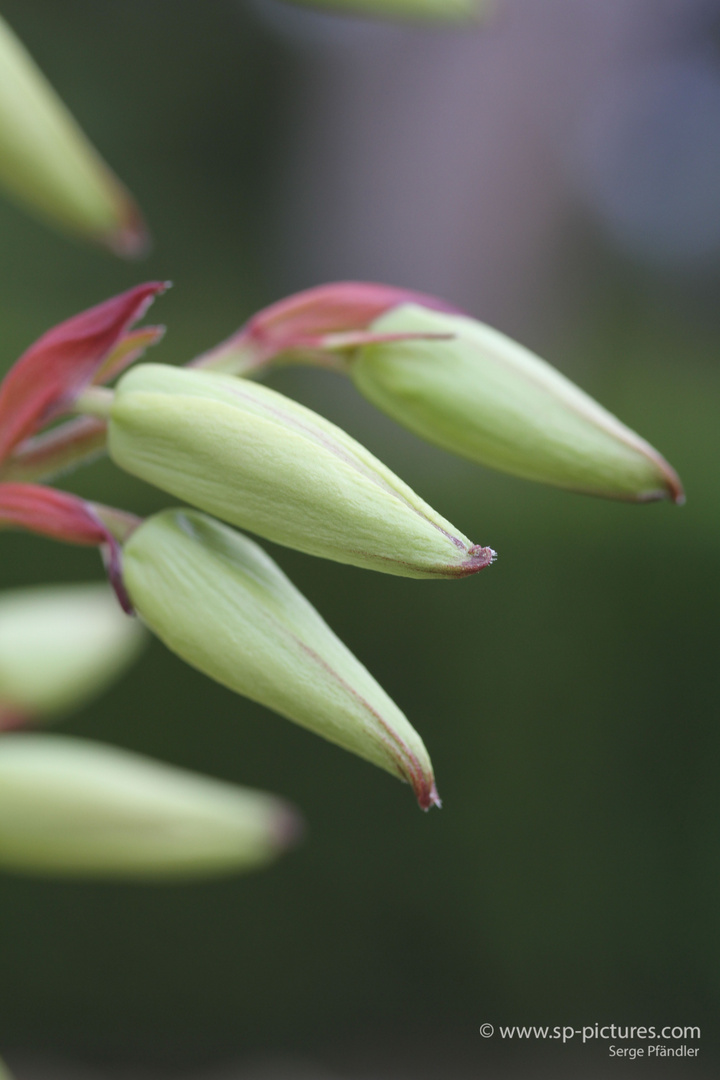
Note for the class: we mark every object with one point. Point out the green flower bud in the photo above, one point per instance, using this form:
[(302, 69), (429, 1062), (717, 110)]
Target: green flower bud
[(483, 396), (59, 646), (71, 807), (257, 459), (218, 601)]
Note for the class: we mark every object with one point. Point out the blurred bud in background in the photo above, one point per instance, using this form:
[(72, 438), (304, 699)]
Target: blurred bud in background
[(76, 808), (60, 645), (259, 460), (417, 10), (218, 601), (47, 164)]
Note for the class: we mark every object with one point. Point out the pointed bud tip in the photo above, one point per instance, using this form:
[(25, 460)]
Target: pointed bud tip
[(131, 238), (130, 242), (427, 796), (289, 827), (478, 558), (672, 488), (675, 489)]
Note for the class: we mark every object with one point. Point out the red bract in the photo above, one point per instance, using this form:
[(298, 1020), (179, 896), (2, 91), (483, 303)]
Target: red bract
[(47, 378), (63, 516), (301, 321)]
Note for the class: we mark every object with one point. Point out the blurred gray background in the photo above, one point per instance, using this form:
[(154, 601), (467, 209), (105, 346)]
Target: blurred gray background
[(555, 171)]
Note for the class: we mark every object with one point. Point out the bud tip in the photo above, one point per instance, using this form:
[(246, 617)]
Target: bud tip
[(289, 827), (428, 797), (478, 558)]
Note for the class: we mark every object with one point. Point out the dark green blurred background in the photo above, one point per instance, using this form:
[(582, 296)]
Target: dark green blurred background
[(569, 696)]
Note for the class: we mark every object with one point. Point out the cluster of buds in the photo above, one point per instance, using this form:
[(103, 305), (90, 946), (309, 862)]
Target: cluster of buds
[(241, 455)]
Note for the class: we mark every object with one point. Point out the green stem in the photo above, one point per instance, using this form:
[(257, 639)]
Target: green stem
[(94, 401), (233, 358)]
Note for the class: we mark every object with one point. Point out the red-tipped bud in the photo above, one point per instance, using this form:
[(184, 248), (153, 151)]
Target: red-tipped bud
[(49, 376), (63, 516)]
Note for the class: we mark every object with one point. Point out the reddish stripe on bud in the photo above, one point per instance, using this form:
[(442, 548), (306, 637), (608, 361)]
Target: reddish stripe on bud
[(53, 371), (63, 516)]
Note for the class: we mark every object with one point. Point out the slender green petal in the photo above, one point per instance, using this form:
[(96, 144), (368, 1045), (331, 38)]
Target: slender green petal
[(259, 460), (47, 164), (60, 645), (483, 396), (218, 601), (5, 1073), (75, 808)]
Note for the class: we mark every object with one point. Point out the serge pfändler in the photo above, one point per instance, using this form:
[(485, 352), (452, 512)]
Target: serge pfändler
[(657, 1050)]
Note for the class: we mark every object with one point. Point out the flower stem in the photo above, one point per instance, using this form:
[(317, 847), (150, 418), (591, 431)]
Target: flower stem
[(94, 401)]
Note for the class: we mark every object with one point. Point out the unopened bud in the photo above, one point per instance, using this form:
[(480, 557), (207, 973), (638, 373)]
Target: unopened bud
[(47, 163), (218, 601), (59, 646), (256, 459), (483, 396), (75, 808)]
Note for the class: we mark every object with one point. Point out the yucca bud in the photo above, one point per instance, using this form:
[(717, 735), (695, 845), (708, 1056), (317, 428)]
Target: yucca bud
[(256, 459), (75, 808), (59, 646), (218, 601), (483, 396), (47, 163)]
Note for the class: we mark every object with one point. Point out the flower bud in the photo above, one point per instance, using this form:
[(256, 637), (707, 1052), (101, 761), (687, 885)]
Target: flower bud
[(483, 396), (259, 460), (218, 601), (47, 163), (75, 808), (59, 646)]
